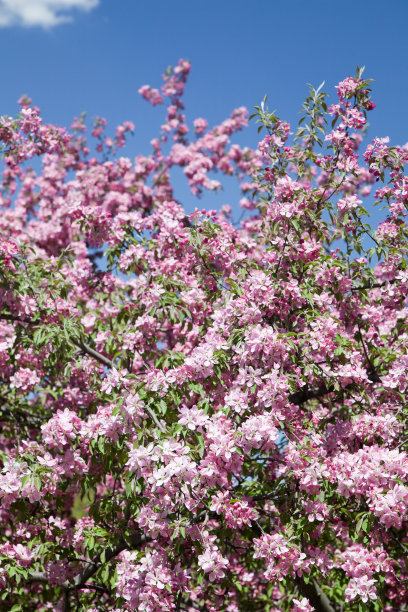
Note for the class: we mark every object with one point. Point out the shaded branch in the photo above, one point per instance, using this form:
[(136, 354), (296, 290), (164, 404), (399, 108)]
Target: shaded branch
[(92, 566), (303, 396), (371, 371), (373, 285), (9, 317), (310, 590), (108, 554), (314, 594), (15, 415), (83, 346), (107, 362)]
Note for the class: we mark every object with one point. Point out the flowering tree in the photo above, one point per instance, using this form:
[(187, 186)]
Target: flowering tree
[(212, 417)]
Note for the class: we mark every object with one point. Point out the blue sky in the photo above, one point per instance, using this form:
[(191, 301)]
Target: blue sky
[(93, 55)]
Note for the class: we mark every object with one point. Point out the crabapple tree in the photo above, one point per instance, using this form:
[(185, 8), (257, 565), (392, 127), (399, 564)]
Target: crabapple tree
[(199, 414)]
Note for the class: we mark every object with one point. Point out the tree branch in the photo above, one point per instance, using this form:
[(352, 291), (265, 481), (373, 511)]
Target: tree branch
[(89, 351), (310, 590), (314, 594), (107, 362), (92, 353), (373, 285), (9, 317), (302, 396), (154, 418), (91, 567), (109, 553)]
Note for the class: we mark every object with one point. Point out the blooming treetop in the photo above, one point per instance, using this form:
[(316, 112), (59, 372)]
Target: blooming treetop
[(213, 417)]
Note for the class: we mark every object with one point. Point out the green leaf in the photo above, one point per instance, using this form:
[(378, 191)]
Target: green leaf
[(25, 479)]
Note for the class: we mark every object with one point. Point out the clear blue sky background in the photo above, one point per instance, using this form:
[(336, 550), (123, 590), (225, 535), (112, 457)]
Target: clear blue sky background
[(239, 51)]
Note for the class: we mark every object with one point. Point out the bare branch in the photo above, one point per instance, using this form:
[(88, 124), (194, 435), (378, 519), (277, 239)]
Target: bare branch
[(92, 353), (154, 417), (314, 594)]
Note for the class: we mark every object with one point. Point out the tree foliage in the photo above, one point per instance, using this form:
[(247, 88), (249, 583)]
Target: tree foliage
[(199, 414)]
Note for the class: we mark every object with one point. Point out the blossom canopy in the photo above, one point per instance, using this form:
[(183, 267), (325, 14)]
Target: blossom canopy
[(200, 414)]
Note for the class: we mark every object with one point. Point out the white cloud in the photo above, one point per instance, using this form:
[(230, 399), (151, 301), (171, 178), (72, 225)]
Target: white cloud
[(43, 13)]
